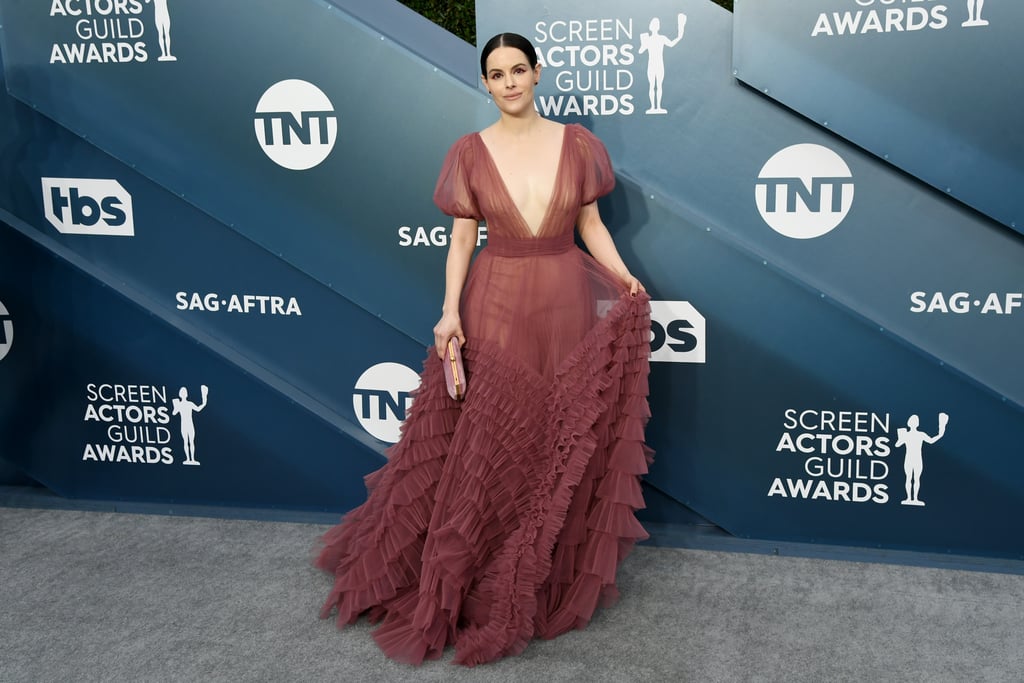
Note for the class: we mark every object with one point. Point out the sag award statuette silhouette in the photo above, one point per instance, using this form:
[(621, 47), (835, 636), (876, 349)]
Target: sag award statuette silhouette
[(186, 408), (912, 439), (974, 8), (163, 30), (6, 331), (654, 45)]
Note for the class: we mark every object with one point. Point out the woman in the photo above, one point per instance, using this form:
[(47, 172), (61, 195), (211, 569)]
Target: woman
[(504, 517)]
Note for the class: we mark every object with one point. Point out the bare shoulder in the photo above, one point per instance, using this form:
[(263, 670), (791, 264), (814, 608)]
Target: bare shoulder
[(553, 126), (554, 131), (488, 132), (491, 136)]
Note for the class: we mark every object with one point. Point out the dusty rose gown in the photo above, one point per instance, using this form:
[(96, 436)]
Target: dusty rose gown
[(504, 517)]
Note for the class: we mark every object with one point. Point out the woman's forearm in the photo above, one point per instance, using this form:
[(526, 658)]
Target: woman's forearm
[(460, 252)]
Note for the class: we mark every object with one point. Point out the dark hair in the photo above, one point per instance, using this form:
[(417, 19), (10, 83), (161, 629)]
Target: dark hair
[(508, 40)]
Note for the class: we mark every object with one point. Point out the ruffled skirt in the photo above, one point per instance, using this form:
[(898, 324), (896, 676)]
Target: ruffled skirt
[(505, 517)]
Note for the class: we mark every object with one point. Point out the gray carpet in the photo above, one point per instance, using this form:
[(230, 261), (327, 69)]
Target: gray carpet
[(98, 596)]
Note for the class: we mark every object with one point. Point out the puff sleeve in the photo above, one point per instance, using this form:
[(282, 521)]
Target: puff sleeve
[(595, 167), (453, 193)]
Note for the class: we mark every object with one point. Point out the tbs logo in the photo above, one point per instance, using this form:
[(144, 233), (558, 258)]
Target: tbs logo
[(677, 333), (81, 206)]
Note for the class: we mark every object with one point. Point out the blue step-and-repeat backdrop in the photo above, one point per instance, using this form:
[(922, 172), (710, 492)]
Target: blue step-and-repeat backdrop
[(220, 263)]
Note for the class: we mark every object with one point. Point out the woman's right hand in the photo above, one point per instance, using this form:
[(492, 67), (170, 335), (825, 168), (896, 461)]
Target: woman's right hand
[(450, 325)]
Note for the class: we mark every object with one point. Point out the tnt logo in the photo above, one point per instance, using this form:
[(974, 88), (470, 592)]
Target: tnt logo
[(296, 124), (804, 191), (677, 332), (382, 397), (86, 206), (6, 331)]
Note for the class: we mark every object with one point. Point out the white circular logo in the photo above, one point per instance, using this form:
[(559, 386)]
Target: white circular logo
[(296, 124), (382, 397), (804, 191), (6, 331)]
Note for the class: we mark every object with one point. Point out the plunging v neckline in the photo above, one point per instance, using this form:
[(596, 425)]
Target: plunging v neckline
[(508, 194)]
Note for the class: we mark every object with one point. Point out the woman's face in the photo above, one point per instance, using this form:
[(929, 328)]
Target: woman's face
[(510, 79)]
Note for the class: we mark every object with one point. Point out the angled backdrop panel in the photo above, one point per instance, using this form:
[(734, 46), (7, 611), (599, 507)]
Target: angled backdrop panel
[(922, 85)]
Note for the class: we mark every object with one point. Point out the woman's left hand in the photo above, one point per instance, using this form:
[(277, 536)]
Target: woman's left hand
[(634, 285)]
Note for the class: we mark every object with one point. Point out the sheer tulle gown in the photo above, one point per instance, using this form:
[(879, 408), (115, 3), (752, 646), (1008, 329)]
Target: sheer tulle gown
[(504, 517)]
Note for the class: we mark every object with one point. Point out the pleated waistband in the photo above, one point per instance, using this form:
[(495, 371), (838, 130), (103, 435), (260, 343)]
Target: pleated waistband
[(533, 246)]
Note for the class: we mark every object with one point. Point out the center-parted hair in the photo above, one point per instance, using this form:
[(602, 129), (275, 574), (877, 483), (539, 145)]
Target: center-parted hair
[(508, 40)]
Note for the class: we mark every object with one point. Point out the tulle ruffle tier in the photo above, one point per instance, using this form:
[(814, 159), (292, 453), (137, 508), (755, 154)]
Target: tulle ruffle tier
[(503, 518)]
